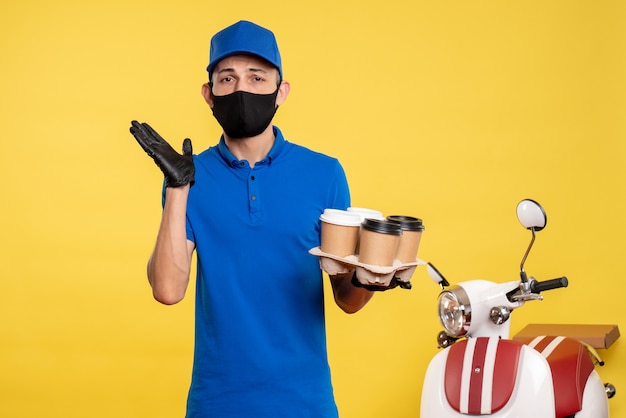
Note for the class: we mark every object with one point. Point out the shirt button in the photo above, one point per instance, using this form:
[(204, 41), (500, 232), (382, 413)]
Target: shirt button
[(241, 164), (253, 197), (251, 177)]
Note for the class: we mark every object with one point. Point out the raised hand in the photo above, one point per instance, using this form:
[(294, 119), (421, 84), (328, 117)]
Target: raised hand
[(178, 169)]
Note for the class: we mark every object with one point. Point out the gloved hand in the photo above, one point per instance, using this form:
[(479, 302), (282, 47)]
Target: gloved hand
[(375, 288), (178, 169)]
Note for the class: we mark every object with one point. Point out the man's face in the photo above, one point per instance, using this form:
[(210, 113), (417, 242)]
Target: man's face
[(246, 73)]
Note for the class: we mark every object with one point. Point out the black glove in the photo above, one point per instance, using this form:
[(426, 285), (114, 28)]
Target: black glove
[(376, 288), (178, 169)]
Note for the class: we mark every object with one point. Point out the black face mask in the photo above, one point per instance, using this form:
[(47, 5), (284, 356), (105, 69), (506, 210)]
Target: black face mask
[(242, 114)]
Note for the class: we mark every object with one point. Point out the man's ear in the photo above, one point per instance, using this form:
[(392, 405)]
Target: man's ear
[(283, 92), (207, 94)]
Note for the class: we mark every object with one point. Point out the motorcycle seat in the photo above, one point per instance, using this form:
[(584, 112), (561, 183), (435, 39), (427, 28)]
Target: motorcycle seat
[(570, 365)]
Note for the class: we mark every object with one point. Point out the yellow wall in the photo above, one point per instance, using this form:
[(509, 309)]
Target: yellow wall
[(448, 110)]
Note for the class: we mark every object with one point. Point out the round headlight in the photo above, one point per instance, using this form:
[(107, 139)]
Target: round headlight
[(454, 311)]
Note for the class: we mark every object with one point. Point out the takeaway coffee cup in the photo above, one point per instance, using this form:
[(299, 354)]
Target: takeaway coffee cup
[(340, 232), (412, 229), (379, 240), (365, 213)]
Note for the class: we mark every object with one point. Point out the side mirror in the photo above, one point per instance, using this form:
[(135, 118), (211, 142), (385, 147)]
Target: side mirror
[(531, 215)]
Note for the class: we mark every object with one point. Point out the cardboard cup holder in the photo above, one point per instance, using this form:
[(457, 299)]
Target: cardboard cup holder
[(367, 274)]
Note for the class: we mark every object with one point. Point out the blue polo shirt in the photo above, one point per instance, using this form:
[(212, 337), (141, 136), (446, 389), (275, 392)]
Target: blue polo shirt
[(260, 338)]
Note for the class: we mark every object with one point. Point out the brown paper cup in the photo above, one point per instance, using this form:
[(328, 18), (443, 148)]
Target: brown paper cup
[(412, 229), (409, 244), (340, 232), (379, 240), (365, 213)]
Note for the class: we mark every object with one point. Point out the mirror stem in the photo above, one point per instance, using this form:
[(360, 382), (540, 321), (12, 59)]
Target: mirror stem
[(522, 272)]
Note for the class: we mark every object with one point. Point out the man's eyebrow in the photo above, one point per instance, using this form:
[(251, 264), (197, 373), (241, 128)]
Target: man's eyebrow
[(226, 70), (249, 70)]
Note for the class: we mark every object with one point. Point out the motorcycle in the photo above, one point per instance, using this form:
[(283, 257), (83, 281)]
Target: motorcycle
[(481, 371)]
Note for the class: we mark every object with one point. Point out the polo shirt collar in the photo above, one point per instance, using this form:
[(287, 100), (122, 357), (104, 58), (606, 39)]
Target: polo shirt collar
[(230, 159)]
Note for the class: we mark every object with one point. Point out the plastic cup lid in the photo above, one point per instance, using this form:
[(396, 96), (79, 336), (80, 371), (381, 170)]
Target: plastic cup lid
[(340, 217), (407, 223), (367, 213), (382, 225)]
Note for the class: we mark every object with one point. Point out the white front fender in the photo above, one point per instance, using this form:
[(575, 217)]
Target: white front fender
[(532, 396)]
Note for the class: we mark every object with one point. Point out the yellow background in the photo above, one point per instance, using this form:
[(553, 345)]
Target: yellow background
[(452, 111)]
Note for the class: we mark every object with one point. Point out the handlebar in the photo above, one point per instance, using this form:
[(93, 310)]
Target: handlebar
[(538, 287)]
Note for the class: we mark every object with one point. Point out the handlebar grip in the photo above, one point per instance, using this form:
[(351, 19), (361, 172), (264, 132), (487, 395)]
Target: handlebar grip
[(538, 287)]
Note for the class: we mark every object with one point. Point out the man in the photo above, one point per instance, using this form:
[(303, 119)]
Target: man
[(250, 207)]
